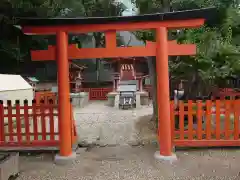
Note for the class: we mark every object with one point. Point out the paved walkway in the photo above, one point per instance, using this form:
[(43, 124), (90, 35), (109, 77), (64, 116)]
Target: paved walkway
[(127, 163)]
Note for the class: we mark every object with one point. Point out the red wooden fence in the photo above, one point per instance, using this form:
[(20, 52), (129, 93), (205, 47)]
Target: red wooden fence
[(228, 92), (30, 125), (94, 94), (222, 93), (45, 96), (97, 93), (210, 123)]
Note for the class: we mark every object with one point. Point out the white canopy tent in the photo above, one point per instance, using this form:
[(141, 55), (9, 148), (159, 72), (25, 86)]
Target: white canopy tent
[(14, 87)]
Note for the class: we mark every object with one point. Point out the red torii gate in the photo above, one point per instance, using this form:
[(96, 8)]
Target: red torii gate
[(160, 49)]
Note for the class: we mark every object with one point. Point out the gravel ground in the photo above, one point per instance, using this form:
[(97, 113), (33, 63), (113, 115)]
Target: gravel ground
[(128, 163), (109, 126), (101, 124)]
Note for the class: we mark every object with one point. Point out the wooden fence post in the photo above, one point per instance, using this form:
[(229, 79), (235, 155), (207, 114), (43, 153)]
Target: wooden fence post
[(190, 120), (43, 105), (218, 119), (26, 121), (199, 114), (10, 120), (18, 122), (172, 117), (1, 122), (208, 119), (51, 119), (71, 119), (181, 119), (227, 119), (236, 119), (74, 131), (35, 124)]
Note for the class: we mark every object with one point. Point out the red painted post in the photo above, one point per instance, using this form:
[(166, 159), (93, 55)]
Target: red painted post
[(190, 120), (199, 120), (35, 120), (10, 120), (1, 122), (163, 100), (236, 119), (51, 120), (208, 119), (172, 116), (18, 122), (181, 119), (26, 121), (63, 94), (43, 106)]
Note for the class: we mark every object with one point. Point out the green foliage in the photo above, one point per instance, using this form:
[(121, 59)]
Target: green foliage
[(218, 46), (14, 45)]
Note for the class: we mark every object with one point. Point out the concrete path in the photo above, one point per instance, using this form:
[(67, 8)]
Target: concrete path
[(100, 124), (127, 163)]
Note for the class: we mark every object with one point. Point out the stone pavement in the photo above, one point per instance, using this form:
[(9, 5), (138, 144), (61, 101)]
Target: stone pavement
[(128, 163), (99, 124)]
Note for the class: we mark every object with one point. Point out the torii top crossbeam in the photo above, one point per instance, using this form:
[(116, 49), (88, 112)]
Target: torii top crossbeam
[(180, 19), (109, 25)]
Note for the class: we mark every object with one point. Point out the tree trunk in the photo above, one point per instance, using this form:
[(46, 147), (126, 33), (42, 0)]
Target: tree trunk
[(152, 70), (153, 78), (166, 5), (98, 44)]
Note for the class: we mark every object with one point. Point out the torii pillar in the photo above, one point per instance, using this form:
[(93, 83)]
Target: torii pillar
[(65, 126), (164, 123)]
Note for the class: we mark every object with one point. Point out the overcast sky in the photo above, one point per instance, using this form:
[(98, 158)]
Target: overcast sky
[(130, 7)]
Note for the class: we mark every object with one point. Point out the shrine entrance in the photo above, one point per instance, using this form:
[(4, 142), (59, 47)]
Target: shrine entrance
[(162, 48)]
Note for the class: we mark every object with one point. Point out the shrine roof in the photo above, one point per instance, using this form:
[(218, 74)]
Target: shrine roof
[(122, 59), (78, 66), (207, 14)]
